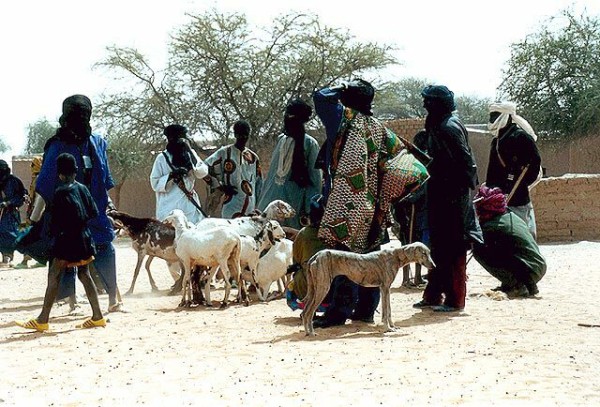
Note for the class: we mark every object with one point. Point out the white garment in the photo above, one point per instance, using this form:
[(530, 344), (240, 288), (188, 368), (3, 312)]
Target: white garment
[(506, 110), (168, 195)]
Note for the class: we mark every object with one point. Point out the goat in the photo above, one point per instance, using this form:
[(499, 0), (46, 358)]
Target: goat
[(149, 237), (253, 247), (376, 269), (209, 248), (273, 267)]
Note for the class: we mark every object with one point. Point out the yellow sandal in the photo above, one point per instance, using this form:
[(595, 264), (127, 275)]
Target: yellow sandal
[(90, 323), (33, 324)]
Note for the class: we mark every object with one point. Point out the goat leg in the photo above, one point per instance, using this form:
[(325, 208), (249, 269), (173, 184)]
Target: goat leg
[(147, 266)]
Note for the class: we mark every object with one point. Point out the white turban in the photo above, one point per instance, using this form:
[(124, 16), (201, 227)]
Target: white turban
[(506, 110)]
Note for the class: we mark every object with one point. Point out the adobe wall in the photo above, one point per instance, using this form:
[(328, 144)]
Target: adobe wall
[(567, 208)]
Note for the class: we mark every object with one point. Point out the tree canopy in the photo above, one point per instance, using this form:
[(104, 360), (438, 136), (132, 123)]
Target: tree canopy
[(554, 76), (403, 100), (38, 133), (221, 69), (4, 147)]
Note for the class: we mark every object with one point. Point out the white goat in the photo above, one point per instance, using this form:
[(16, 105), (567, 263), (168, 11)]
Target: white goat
[(209, 248), (253, 247), (273, 267)]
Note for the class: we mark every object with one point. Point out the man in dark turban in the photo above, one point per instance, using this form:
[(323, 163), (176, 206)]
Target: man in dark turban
[(12, 196), (74, 136), (174, 175), (292, 175), (452, 223), (510, 252)]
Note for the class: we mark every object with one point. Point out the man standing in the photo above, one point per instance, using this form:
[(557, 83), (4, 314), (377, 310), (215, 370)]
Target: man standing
[(292, 175), (12, 196), (74, 136), (174, 174), (514, 164), (353, 158), (237, 171), (452, 223)]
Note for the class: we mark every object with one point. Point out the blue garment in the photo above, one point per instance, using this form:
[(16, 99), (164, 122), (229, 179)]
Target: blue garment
[(13, 194), (279, 185), (330, 111), (100, 226)]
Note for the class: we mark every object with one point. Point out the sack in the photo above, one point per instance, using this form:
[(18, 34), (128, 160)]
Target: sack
[(35, 241), (404, 174)]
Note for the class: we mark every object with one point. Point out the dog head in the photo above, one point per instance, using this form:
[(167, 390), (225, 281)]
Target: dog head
[(419, 253)]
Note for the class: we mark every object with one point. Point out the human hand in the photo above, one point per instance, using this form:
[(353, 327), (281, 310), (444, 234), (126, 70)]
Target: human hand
[(178, 173), (3, 204)]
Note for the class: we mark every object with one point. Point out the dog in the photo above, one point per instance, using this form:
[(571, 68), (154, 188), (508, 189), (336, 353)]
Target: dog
[(376, 269)]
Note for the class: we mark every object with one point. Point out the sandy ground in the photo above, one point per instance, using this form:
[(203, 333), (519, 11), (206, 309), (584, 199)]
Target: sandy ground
[(497, 352)]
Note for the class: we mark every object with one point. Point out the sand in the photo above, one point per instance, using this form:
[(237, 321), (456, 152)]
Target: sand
[(497, 352)]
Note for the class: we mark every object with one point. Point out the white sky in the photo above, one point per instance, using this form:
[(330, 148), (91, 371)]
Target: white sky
[(48, 48)]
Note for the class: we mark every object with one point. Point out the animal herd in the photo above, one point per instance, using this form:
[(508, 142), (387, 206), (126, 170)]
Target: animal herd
[(254, 251)]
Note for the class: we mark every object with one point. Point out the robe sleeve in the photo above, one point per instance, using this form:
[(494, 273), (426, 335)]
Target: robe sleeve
[(159, 176)]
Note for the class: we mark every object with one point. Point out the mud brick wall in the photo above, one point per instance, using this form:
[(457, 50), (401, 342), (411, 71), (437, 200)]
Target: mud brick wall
[(567, 208)]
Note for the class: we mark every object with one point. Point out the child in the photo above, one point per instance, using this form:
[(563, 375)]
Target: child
[(70, 210)]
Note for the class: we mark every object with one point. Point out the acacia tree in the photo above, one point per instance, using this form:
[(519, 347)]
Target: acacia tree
[(38, 133), (403, 100), (221, 69), (554, 75)]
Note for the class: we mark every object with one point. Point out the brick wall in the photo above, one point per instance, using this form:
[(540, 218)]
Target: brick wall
[(567, 208)]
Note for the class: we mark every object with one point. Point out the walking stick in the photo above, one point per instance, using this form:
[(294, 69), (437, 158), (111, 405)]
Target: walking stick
[(512, 192)]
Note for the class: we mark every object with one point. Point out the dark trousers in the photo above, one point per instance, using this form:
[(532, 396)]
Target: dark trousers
[(106, 266), (349, 299), (448, 278)]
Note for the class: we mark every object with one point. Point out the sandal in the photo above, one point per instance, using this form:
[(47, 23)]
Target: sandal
[(90, 323), (118, 307), (33, 324)]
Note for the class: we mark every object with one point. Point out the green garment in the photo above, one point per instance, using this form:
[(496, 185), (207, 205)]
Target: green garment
[(306, 245), (510, 252)]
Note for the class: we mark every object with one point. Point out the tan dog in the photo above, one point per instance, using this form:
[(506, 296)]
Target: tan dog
[(376, 269)]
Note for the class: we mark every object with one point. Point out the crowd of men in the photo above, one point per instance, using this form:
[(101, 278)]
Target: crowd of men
[(342, 192)]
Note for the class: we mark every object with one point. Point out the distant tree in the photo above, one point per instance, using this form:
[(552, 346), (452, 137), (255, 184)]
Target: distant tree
[(37, 135), (4, 147), (403, 100), (221, 69), (554, 75), (473, 109)]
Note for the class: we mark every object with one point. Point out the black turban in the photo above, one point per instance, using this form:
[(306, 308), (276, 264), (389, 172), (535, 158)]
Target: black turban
[(359, 95), (299, 109), (439, 95), (175, 131)]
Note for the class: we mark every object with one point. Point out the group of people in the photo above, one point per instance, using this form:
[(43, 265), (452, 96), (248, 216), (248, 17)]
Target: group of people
[(342, 193)]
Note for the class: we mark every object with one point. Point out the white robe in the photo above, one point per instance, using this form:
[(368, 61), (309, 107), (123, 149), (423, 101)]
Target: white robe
[(168, 195)]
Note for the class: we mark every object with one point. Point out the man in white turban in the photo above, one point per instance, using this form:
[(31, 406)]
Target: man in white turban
[(515, 162)]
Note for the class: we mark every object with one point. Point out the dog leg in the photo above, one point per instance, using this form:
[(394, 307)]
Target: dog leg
[(386, 309), (406, 276)]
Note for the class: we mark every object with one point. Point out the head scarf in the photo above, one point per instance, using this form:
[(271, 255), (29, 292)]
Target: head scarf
[(489, 203), (297, 113), (74, 122), (438, 100), (4, 170), (317, 209), (178, 147), (508, 110), (359, 96)]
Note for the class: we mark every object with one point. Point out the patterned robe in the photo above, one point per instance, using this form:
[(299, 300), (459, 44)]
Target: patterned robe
[(369, 169), (240, 169)]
